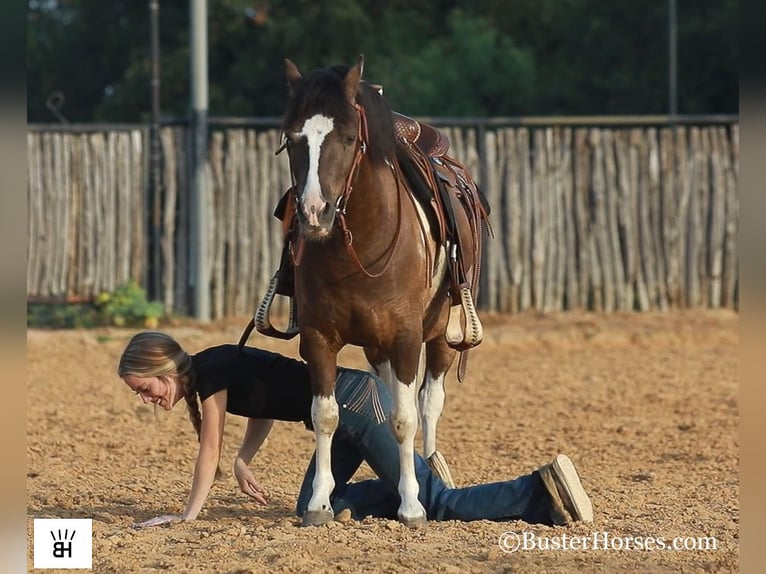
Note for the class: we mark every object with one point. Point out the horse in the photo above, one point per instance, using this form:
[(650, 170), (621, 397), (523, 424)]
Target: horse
[(368, 270)]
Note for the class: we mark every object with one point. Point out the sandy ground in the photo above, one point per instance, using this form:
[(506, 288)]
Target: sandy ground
[(646, 405)]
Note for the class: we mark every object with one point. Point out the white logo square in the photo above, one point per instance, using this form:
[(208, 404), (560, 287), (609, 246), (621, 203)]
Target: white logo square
[(63, 543)]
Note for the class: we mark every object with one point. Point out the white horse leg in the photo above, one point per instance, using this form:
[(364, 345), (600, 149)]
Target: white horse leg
[(431, 402), (324, 417), (404, 423)]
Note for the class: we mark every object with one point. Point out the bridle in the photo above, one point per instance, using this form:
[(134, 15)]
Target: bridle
[(342, 202)]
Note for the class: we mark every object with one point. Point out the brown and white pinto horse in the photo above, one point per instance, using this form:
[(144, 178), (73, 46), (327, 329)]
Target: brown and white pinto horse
[(368, 271)]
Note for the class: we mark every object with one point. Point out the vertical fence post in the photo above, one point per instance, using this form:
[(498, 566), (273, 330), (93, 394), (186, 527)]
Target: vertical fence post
[(672, 59), (155, 160), (200, 277)]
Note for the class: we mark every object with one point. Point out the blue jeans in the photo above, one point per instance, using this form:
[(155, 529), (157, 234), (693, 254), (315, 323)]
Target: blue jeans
[(364, 434)]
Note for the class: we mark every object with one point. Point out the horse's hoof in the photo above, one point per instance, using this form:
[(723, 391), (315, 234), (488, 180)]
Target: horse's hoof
[(316, 517), (414, 522)]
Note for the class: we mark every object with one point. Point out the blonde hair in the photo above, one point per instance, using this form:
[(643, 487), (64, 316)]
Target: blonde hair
[(156, 354)]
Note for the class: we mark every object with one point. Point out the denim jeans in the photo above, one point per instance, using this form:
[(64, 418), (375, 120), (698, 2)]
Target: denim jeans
[(363, 434)]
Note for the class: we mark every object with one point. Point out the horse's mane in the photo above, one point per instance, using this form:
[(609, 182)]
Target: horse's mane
[(321, 91)]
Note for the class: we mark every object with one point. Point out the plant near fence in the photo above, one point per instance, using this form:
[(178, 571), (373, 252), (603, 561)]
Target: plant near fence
[(125, 306)]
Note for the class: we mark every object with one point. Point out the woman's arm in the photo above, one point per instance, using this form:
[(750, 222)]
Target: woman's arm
[(210, 440), (256, 432)]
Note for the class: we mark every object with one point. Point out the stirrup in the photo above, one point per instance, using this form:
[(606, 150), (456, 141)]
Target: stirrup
[(464, 329), (439, 467), (263, 324)]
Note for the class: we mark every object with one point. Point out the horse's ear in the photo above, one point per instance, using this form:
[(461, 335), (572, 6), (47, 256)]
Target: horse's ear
[(353, 78), (291, 72)]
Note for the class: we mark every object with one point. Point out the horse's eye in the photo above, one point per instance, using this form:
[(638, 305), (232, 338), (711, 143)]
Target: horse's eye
[(349, 140)]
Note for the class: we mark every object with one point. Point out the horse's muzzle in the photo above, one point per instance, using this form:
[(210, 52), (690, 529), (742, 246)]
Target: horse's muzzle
[(316, 223)]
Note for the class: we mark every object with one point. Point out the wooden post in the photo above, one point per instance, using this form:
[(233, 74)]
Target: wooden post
[(514, 208), (639, 158), (717, 217), (655, 215), (582, 216), (730, 151), (540, 223), (625, 218), (547, 177), (167, 242), (614, 249), (600, 209), (527, 203), (217, 240), (494, 268), (571, 292)]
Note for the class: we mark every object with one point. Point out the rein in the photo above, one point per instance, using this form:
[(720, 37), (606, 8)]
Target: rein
[(348, 237)]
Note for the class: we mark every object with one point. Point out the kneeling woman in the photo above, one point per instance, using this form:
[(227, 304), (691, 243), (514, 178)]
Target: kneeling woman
[(264, 386)]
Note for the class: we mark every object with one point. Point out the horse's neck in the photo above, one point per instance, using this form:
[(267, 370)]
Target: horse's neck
[(374, 198)]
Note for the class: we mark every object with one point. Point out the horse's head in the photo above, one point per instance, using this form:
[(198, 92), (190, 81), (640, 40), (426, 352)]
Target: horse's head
[(323, 127)]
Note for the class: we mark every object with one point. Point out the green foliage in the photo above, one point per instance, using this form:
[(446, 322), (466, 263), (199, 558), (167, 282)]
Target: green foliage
[(485, 74), (126, 306), (63, 316), (435, 58)]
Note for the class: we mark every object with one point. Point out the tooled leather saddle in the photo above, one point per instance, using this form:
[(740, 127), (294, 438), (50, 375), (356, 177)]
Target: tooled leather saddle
[(444, 184)]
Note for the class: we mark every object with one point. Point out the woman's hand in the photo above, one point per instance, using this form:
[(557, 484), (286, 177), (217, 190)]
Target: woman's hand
[(157, 520), (247, 482)]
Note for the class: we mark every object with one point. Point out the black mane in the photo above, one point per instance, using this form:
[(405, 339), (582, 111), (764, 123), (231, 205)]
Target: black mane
[(322, 91)]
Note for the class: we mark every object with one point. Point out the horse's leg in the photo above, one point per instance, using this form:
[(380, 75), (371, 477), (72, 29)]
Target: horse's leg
[(431, 401), (439, 358), (404, 423), (324, 418)]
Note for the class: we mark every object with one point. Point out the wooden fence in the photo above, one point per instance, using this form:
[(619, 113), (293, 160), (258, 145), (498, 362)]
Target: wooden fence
[(86, 195), (589, 217)]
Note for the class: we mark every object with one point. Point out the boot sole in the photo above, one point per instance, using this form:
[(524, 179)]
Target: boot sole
[(569, 481)]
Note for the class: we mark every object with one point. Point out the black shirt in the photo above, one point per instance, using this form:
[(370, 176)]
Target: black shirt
[(260, 384)]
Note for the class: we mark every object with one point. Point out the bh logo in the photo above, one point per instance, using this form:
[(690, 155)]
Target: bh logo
[(63, 543)]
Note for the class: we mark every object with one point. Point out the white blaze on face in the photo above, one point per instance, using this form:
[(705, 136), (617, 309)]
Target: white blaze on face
[(315, 130)]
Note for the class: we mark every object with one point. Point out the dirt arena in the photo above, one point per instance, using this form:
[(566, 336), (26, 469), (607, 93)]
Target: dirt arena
[(645, 404)]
